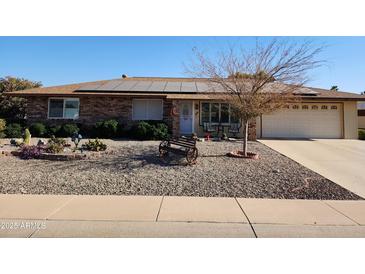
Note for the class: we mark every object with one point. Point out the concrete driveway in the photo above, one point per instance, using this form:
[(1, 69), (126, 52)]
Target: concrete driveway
[(341, 161)]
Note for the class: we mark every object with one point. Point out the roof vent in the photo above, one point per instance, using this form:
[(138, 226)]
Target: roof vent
[(124, 76)]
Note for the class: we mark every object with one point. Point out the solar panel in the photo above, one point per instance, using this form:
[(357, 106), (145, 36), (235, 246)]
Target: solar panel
[(125, 85), (141, 86), (202, 87), (157, 86), (173, 87), (89, 87), (188, 87), (110, 85)]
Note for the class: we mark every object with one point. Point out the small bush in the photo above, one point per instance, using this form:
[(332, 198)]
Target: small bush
[(86, 130), (160, 131), (55, 145), (107, 129), (14, 131), (54, 130), (27, 137), (95, 145), (141, 131), (30, 152), (149, 131), (2, 128), (68, 129), (38, 130), (361, 134)]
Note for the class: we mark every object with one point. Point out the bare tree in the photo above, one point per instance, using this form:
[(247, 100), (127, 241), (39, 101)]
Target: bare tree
[(259, 81)]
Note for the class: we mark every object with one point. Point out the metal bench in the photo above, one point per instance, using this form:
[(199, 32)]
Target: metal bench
[(182, 146)]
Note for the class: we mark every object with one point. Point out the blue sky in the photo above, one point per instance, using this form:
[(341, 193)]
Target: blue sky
[(64, 60)]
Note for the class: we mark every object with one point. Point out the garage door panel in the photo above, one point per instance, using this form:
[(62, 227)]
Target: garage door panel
[(304, 123)]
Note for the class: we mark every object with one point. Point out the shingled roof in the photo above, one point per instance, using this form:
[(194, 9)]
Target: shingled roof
[(174, 88)]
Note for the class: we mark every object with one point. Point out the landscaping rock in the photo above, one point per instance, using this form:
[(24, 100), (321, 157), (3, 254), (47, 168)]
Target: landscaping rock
[(135, 168)]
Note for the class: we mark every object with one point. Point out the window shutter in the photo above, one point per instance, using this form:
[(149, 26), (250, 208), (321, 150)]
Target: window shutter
[(155, 110), (139, 110)]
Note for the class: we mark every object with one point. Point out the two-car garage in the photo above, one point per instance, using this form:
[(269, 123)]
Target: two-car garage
[(304, 120)]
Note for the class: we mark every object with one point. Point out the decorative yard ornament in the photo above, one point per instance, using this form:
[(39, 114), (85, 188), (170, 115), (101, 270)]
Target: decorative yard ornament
[(41, 142), (76, 138), (27, 137), (174, 111)]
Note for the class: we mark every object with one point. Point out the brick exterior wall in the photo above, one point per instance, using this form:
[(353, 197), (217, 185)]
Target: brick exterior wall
[(94, 109), (36, 109), (175, 119)]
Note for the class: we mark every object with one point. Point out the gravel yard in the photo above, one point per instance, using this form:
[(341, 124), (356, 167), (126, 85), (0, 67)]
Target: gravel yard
[(135, 168)]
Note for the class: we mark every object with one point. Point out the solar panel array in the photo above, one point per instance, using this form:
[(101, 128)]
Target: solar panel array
[(160, 86), (149, 86)]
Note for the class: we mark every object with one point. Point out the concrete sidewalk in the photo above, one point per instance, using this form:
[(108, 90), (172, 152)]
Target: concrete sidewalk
[(148, 216)]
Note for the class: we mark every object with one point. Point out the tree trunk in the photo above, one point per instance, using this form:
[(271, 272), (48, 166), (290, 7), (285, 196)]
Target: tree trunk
[(245, 134)]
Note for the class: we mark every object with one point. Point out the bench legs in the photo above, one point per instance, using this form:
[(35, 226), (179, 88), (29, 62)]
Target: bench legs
[(192, 155), (162, 148)]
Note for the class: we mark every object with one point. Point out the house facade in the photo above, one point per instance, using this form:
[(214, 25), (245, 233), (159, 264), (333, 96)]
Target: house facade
[(188, 105)]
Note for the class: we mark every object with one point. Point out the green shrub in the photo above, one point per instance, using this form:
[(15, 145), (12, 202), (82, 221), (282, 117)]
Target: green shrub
[(55, 145), (14, 131), (160, 131), (54, 130), (95, 145), (27, 137), (68, 129), (87, 131), (149, 131), (38, 130), (2, 128), (361, 134), (107, 129), (141, 131)]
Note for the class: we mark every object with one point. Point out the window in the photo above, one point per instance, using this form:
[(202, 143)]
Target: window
[(214, 113), (63, 108), (217, 113), (314, 107), (324, 107), (333, 107), (205, 112), (224, 113), (147, 109), (304, 106), (295, 107)]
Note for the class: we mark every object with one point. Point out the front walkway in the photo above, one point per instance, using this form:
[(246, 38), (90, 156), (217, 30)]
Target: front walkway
[(341, 161), (166, 216)]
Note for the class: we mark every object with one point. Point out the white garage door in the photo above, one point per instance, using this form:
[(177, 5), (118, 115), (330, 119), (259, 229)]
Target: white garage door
[(304, 121)]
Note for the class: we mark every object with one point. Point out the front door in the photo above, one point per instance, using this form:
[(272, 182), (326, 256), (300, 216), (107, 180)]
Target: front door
[(186, 117)]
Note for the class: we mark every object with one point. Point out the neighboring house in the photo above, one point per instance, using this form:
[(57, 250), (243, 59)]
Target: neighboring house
[(361, 114), (185, 104)]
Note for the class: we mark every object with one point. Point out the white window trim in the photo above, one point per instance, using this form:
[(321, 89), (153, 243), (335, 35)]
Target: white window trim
[(147, 99), (210, 117), (63, 114)]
